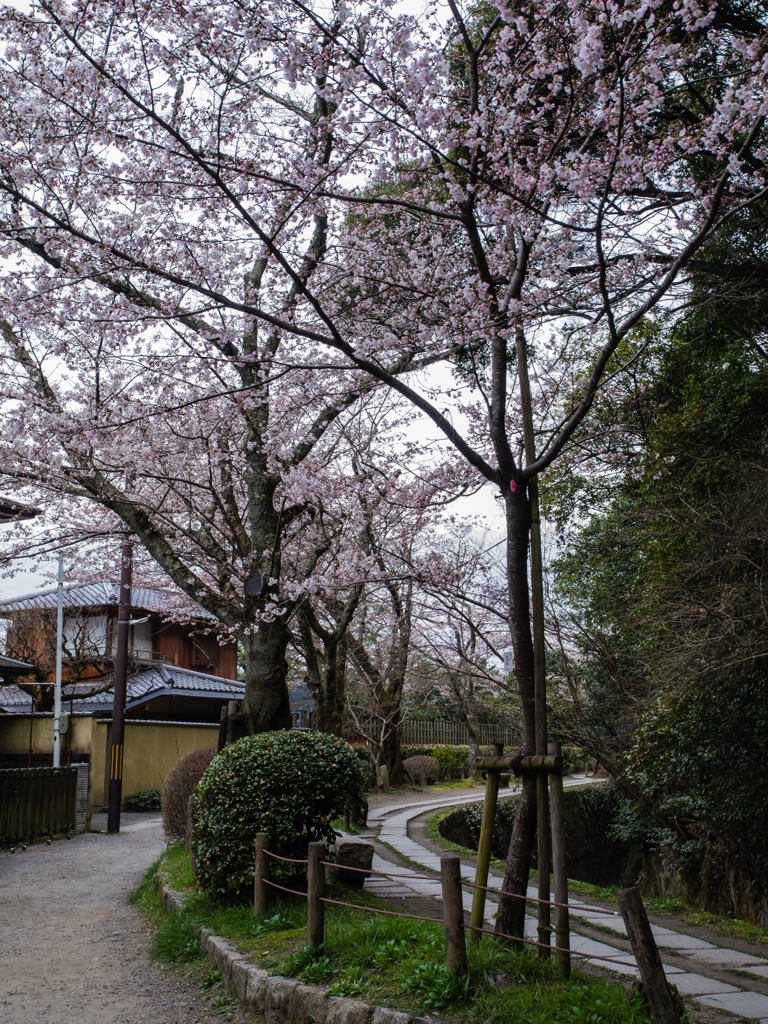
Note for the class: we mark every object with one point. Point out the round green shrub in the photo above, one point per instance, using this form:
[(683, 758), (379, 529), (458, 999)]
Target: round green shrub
[(289, 784)]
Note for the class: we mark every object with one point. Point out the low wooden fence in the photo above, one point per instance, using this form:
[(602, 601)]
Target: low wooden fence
[(417, 731), (38, 802)]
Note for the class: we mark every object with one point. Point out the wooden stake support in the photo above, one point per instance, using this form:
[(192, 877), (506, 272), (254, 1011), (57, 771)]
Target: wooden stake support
[(453, 914), (649, 963), (315, 891), (562, 923), (261, 872), (486, 838)]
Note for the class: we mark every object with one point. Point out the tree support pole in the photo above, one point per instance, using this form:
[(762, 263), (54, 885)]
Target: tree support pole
[(484, 845), (539, 664), (562, 924)]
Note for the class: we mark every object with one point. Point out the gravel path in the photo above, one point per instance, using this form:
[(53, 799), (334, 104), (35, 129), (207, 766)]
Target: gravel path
[(71, 950)]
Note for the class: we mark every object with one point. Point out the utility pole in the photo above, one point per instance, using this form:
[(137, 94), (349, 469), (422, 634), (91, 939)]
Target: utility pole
[(57, 685), (121, 685)]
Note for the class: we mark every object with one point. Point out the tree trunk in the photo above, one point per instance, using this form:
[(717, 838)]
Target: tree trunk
[(393, 756), (266, 670), (473, 732), (511, 916)]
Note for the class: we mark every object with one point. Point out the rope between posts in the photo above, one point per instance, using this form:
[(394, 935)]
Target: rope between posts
[(544, 945), (288, 860), (293, 892), (384, 874), (375, 910), (549, 903)]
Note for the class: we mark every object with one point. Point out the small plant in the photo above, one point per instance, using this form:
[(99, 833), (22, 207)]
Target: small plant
[(437, 987), (176, 941), (143, 800), (353, 982), (309, 965), (210, 978)]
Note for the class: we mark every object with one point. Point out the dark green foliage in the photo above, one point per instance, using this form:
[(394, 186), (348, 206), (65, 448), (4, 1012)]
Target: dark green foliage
[(288, 784), (143, 800)]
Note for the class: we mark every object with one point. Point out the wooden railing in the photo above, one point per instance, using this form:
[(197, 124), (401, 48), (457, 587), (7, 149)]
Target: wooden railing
[(413, 731), (37, 803)]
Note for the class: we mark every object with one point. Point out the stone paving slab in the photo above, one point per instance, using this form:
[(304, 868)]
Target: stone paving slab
[(695, 984), (709, 991), (743, 1004), (731, 957)]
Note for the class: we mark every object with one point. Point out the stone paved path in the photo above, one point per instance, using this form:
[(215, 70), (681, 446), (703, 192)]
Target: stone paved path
[(392, 822), (71, 950)]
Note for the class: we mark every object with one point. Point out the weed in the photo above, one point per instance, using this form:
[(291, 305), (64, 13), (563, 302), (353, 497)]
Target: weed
[(435, 986), (308, 964), (209, 978), (175, 941), (352, 982)]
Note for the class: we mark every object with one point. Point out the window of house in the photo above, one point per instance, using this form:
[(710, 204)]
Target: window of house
[(205, 650), (86, 636)]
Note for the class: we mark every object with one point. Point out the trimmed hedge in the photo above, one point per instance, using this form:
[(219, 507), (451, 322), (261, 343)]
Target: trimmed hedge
[(143, 800), (290, 784)]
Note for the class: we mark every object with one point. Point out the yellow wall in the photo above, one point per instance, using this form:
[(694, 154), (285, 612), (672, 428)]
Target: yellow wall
[(151, 749)]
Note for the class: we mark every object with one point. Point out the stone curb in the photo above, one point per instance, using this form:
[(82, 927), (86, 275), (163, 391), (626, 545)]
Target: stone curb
[(279, 1000)]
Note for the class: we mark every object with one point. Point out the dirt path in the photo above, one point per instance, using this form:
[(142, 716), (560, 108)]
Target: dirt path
[(71, 950)]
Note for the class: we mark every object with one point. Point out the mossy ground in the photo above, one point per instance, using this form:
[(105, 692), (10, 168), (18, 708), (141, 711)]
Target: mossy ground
[(386, 960)]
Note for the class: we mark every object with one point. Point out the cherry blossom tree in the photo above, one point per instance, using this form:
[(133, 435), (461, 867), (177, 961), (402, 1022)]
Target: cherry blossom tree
[(513, 188)]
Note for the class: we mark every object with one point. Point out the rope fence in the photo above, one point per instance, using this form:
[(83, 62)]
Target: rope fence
[(647, 961), (544, 945)]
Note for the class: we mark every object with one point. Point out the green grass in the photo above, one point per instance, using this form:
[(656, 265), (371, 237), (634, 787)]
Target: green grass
[(388, 961)]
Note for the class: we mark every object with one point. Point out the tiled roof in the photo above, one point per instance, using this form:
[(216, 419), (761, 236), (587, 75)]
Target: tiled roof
[(89, 595), (146, 684)]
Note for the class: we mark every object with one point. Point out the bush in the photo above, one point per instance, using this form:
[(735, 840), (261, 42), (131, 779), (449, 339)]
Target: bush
[(143, 800), (179, 786), (290, 785), (422, 769), (453, 760)]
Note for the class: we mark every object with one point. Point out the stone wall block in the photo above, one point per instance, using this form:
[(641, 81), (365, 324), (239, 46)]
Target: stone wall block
[(278, 993), (308, 1005), (238, 978), (255, 989), (204, 935), (383, 1015), (347, 1011)]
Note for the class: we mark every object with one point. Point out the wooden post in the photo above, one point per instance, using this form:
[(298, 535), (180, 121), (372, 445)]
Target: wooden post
[(649, 964), (315, 889), (542, 863), (231, 721), (562, 924), (189, 842), (261, 872), (453, 914), (484, 846), (222, 742)]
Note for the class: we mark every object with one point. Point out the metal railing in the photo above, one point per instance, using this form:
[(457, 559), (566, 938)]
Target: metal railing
[(37, 803)]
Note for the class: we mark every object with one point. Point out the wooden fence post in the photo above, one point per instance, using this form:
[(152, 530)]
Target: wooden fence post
[(190, 837), (557, 810), (315, 890), (260, 873), (649, 963), (453, 914), (484, 846)]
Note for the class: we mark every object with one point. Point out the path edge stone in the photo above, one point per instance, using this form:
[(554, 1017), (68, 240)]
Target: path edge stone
[(278, 1000)]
